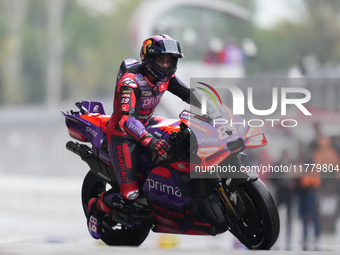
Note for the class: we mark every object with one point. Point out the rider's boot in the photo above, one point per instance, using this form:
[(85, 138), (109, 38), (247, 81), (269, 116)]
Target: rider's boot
[(107, 202), (94, 219)]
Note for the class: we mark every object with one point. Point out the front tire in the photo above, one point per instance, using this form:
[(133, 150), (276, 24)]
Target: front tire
[(259, 224), (118, 235)]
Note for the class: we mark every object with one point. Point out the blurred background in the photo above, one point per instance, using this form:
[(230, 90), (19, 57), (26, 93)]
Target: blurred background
[(56, 52)]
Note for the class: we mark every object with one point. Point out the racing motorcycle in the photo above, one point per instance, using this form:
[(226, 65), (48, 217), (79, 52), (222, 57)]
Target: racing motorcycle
[(174, 196)]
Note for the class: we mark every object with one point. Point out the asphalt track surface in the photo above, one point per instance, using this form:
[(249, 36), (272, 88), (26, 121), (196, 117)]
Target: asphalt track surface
[(36, 226), (81, 250)]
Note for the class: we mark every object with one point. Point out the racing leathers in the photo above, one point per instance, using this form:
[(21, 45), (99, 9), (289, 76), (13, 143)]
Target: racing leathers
[(136, 98)]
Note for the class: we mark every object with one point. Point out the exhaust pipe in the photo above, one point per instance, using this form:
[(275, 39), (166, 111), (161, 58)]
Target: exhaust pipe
[(81, 150)]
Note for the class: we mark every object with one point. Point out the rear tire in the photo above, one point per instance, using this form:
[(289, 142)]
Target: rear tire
[(259, 224), (92, 187)]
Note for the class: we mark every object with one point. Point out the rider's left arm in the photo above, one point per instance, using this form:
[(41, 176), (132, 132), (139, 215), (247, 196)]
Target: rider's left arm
[(180, 89)]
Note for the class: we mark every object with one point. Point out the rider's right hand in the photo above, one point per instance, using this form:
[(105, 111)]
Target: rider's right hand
[(160, 146)]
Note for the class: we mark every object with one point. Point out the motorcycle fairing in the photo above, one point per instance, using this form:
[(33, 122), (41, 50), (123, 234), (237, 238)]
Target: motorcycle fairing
[(94, 107), (178, 206), (164, 129), (166, 201), (216, 145), (255, 132), (172, 200), (90, 127)]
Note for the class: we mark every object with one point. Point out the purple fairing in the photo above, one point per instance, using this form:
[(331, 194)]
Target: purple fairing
[(85, 131), (94, 107), (161, 187), (164, 191), (158, 133), (208, 135)]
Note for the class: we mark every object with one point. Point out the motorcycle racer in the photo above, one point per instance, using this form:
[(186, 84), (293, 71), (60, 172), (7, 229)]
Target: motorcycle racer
[(139, 89)]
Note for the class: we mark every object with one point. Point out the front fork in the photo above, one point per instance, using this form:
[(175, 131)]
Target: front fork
[(231, 215)]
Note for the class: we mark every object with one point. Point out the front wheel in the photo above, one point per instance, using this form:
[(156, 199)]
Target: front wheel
[(117, 235), (258, 225)]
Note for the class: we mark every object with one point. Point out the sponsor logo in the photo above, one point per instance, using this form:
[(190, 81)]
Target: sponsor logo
[(155, 185), (187, 113), (165, 221), (163, 87), (158, 134), (170, 213), (91, 131), (126, 95), (132, 194), (96, 108), (209, 149), (151, 101), (135, 129), (76, 135), (125, 107), (233, 197), (140, 80), (196, 121), (145, 142), (146, 93), (104, 157), (200, 128), (145, 112), (145, 117), (207, 140), (181, 166), (126, 91), (129, 82), (130, 133), (121, 163), (183, 116)]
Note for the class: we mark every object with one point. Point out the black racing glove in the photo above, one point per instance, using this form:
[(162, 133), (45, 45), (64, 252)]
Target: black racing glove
[(160, 146)]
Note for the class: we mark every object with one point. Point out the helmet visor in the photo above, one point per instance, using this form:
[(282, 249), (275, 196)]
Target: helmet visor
[(171, 47)]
